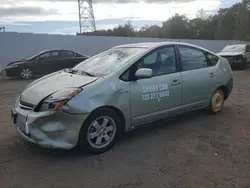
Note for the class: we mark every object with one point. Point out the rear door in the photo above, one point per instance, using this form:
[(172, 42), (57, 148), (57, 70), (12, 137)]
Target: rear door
[(68, 59), (198, 77)]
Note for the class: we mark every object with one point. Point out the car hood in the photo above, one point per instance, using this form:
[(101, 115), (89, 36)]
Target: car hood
[(229, 53), (16, 62), (45, 86)]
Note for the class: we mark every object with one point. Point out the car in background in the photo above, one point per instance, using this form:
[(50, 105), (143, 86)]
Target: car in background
[(44, 63), (119, 89), (238, 55)]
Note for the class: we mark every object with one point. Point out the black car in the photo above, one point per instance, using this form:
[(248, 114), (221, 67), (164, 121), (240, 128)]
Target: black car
[(44, 63)]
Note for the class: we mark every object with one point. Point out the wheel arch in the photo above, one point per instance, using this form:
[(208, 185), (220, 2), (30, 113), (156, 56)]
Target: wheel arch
[(117, 111), (225, 90), (82, 142)]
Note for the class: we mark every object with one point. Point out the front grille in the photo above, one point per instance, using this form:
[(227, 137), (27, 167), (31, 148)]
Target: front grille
[(230, 58), (26, 106)]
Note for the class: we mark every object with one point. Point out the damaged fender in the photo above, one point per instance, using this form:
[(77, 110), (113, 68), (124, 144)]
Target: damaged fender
[(106, 93)]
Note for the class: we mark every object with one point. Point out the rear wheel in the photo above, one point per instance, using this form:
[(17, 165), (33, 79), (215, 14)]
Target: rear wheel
[(217, 101), (100, 131), (26, 73)]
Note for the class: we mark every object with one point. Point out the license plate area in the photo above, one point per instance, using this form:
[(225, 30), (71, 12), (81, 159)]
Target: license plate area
[(20, 121)]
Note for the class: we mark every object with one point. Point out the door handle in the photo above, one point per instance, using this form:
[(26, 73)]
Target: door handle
[(124, 91), (175, 83), (212, 75)]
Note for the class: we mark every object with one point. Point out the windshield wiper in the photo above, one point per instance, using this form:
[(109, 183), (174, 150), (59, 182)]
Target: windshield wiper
[(75, 71), (72, 71), (87, 73)]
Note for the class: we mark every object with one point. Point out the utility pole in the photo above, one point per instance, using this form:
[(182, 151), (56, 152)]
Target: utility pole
[(86, 16), (2, 29)]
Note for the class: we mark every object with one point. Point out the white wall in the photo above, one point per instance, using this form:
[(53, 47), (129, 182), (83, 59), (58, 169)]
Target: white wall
[(16, 46)]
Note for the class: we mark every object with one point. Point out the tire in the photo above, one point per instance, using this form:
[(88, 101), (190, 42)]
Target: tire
[(26, 73), (90, 127), (216, 102)]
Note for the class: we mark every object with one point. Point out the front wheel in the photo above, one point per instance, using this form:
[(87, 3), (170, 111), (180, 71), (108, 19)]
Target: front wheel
[(26, 73), (100, 131), (217, 101)]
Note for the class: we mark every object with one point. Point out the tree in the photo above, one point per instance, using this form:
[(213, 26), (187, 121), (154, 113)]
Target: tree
[(201, 14), (125, 30), (227, 24), (176, 27)]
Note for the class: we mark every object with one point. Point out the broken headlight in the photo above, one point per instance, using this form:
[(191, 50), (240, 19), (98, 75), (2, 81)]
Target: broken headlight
[(55, 101)]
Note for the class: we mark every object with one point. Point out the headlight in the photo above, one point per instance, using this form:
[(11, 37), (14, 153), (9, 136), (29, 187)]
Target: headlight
[(58, 99), (239, 58), (11, 66)]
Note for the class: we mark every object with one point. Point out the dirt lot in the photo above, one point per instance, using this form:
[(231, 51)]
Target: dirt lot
[(195, 150)]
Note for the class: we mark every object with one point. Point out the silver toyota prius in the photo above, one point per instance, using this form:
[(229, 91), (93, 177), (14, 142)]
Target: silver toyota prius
[(119, 89)]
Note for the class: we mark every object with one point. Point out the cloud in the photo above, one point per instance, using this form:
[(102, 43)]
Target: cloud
[(114, 1), (14, 24), (67, 10), (25, 11), (139, 1)]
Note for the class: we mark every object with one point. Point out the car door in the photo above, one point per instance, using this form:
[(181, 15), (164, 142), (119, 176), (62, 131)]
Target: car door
[(68, 59), (43, 63), (159, 96), (198, 78), (248, 53)]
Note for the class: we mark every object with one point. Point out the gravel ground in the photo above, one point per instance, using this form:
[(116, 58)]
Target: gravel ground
[(194, 150)]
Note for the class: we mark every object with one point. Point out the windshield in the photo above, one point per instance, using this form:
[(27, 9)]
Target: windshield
[(33, 56), (234, 48), (106, 62)]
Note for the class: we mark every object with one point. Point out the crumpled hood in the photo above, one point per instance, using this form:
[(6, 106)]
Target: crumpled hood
[(229, 53), (45, 86)]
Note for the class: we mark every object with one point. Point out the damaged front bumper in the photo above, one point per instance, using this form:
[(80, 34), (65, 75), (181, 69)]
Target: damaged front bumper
[(48, 129)]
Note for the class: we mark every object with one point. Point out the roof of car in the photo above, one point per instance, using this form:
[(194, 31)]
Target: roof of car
[(59, 49), (55, 49), (151, 44), (237, 45)]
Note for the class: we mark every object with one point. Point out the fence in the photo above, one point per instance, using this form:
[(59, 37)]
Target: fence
[(16, 46)]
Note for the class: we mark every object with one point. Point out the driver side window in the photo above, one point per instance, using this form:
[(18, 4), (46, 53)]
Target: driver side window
[(150, 59), (48, 55), (161, 61), (43, 56)]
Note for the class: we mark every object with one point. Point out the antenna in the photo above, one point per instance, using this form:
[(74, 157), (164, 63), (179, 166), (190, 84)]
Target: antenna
[(86, 16)]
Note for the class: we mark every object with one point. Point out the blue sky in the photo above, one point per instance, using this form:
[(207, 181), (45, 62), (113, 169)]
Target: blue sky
[(61, 17)]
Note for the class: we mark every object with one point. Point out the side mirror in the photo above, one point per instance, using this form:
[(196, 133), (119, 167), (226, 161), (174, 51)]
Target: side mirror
[(40, 59), (143, 73)]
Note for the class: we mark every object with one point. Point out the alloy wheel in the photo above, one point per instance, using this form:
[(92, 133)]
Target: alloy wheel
[(217, 101), (101, 132), (26, 73)]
